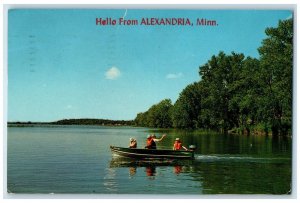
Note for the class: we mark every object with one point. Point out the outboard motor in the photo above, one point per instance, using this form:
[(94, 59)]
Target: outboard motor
[(192, 147)]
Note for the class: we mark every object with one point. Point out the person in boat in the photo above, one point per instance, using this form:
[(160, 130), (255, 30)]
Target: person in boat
[(133, 143), (178, 145), (151, 141), (150, 144)]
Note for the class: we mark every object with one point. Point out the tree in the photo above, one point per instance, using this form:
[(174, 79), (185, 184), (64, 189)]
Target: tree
[(141, 119), (219, 76), (247, 93), (276, 60), (158, 115), (187, 108)]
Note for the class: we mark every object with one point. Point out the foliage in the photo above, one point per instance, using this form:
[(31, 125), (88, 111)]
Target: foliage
[(81, 121), (276, 59), (186, 110), (158, 115), (236, 92), (85, 121)]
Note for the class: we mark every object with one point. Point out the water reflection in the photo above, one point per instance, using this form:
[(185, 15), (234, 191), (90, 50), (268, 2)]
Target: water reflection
[(215, 143), (132, 171), (215, 174), (224, 164), (150, 170), (109, 180), (149, 165), (177, 169)]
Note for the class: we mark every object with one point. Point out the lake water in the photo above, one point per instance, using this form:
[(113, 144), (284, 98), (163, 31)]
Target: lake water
[(77, 160)]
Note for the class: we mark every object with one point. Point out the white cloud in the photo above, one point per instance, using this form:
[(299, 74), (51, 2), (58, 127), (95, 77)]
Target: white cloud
[(112, 73), (69, 106), (174, 75)]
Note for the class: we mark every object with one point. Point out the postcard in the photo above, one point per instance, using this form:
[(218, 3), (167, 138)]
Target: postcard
[(162, 101)]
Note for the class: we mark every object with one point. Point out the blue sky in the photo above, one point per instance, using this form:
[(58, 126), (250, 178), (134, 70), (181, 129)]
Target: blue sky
[(62, 65)]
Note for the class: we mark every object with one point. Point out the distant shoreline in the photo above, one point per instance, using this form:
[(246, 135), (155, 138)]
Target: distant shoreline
[(95, 122)]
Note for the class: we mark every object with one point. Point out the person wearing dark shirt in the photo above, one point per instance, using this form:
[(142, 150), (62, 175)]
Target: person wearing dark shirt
[(151, 141)]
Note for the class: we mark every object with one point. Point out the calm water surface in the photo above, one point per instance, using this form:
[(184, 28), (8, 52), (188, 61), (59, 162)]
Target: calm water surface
[(77, 159)]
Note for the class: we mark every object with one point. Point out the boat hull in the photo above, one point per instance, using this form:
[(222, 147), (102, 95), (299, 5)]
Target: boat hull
[(151, 153)]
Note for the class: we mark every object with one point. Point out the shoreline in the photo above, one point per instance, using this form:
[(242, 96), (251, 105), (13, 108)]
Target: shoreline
[(54, 124)]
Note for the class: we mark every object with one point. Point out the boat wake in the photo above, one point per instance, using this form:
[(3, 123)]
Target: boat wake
[(238, 158)]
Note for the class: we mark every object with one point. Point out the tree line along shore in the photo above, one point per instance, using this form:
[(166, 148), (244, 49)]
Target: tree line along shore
[(235, 94), (83, 121)]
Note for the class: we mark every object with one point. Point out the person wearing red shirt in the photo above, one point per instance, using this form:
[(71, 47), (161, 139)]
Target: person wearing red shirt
[(178, 145)]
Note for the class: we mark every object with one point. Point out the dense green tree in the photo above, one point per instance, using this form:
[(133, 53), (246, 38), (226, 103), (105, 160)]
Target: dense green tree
[(158, 115), (219, 75), (141, 119), (246, 94), (186, 110), (276, 60)]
